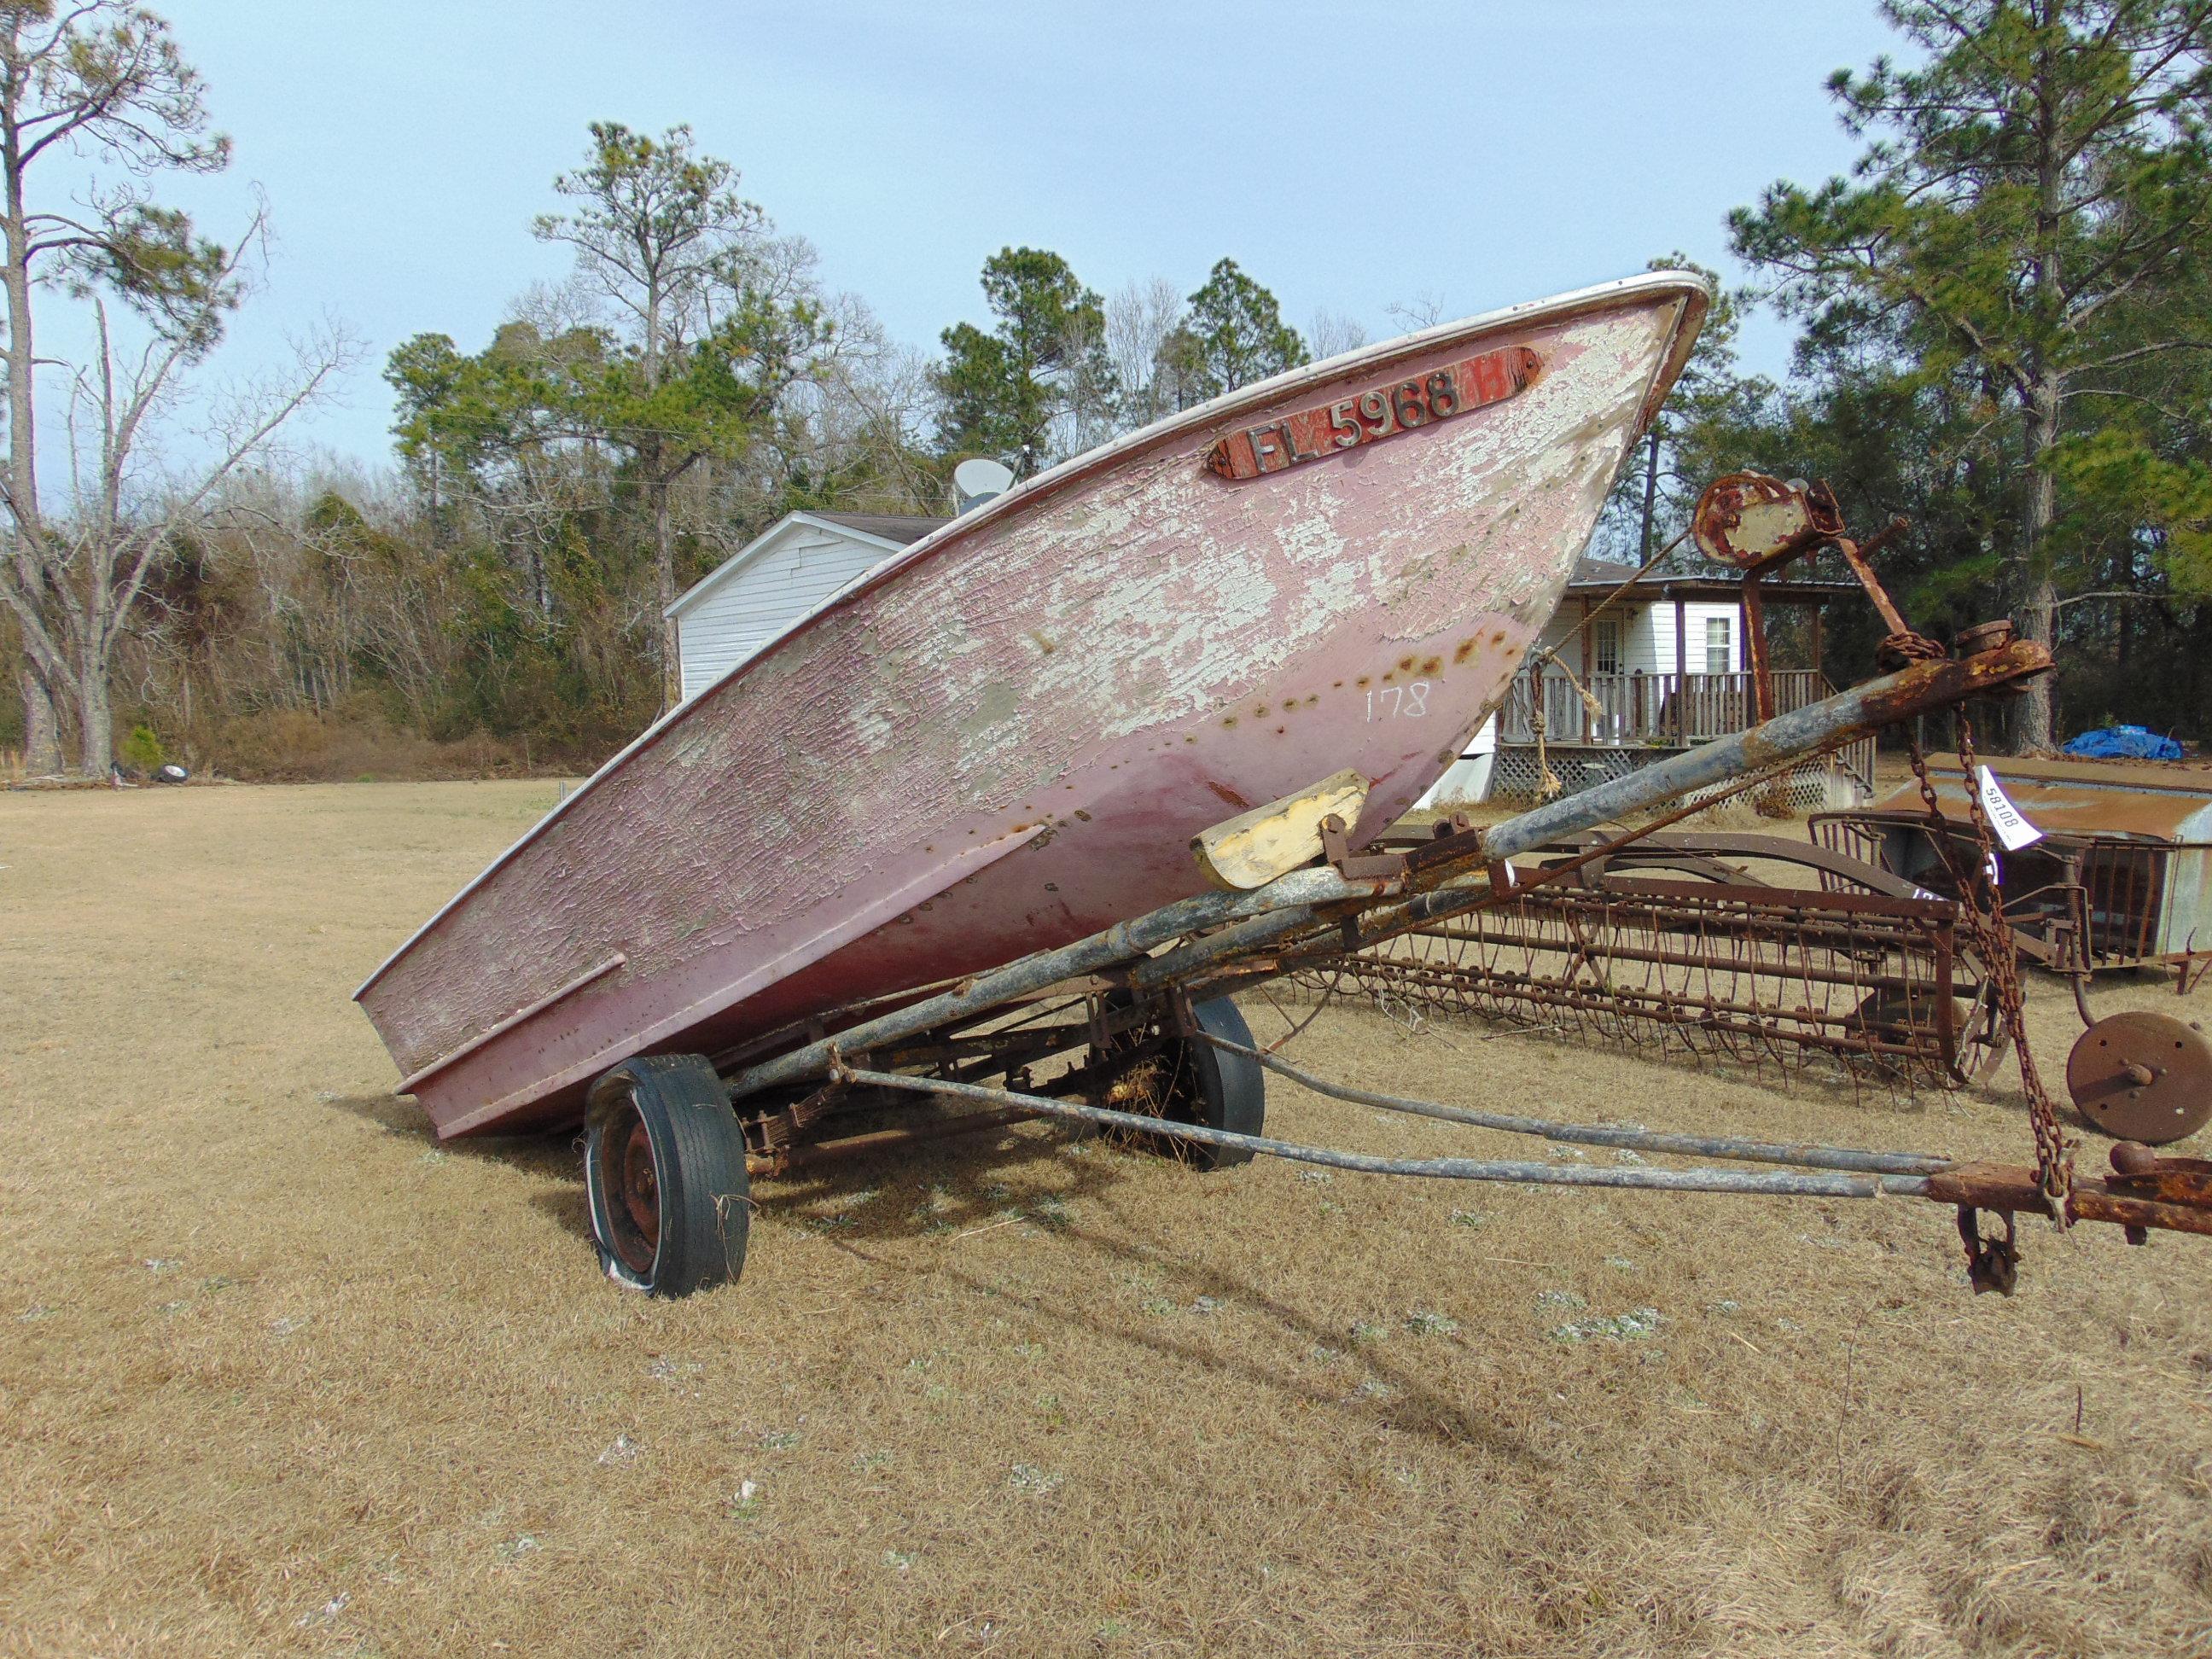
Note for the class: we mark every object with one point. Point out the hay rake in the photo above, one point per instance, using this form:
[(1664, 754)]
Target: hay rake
[(1863, 980)]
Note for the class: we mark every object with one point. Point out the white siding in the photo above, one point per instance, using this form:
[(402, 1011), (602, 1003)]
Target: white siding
[(1696, 615), (1650, 640), (1647, 641), (1565, 622), (800, 566), (1641, 626)]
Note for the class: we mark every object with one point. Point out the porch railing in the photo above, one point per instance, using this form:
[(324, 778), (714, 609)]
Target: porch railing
[(1639, 709)]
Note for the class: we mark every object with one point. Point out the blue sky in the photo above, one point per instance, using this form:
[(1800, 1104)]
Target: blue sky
[(1348, 155)]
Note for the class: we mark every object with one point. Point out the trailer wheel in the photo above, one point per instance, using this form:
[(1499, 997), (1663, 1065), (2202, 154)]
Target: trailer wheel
[(1192, 1081), (665, 1176)]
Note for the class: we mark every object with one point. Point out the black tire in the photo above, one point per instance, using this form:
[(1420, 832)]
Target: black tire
[(665, 1176), (1203, 1084)]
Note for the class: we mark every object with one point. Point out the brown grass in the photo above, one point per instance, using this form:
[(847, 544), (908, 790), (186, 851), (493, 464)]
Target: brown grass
[(281, 1376)]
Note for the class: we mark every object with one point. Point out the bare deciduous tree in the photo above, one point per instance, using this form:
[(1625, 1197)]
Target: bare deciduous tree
[(1425, 310), (1142, 322), (1331, 333), (103, 83)]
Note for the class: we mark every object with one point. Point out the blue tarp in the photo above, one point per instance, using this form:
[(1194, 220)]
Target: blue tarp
[(2123, 742)]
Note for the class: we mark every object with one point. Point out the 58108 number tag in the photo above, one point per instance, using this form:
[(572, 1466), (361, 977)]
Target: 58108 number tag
[(1380, 412)]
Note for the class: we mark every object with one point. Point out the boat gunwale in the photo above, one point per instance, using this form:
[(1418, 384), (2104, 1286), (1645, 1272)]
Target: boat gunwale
[(1689, 287)]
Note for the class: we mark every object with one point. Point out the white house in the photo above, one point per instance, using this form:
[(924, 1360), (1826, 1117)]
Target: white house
[(787, 572), (1684, 628), (1664, 661)]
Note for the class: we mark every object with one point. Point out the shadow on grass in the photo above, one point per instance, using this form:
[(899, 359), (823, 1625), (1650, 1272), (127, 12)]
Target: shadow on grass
[(968, 1186), (547, 1154), (972, 1187), (558, 1156), (1381, 1389), (849, 1186)]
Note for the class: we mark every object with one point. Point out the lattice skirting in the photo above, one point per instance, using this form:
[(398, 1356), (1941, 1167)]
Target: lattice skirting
[(1826, 785)]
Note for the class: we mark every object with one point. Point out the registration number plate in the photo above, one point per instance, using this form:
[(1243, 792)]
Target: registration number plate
[(1369, 417)]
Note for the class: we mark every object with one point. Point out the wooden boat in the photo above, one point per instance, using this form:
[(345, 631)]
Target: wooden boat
[(1003, 739)]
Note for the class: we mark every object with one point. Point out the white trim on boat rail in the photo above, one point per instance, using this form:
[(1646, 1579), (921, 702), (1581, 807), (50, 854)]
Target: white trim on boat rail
[(1692, 292)]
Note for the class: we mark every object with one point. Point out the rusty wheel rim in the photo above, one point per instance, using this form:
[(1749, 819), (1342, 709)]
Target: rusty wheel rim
[(632, 1188), (2142, 1077), (641, 1189)]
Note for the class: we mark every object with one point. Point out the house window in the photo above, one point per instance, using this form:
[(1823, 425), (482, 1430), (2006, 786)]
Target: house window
[(1605, 644), (1716, 645)]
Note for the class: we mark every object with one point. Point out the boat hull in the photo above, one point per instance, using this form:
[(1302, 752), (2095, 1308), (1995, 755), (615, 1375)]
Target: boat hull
[(1005, 739)]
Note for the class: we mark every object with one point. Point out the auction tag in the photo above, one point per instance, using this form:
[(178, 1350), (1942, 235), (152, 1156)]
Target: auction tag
[(2011, 824)]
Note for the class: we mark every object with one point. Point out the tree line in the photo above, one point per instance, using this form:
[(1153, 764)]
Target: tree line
[(2002, 333), (2005, 335)]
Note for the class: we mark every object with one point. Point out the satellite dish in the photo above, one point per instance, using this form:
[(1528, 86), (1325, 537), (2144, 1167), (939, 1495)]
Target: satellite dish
[(975, 482)]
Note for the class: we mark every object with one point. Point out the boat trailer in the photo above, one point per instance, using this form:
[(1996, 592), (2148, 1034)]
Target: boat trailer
[(1132, 1031)]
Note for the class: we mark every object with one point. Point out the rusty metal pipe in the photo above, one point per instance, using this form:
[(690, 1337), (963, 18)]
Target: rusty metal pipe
[(1862, 710), (2004, 1187), (1441, 1168), (1802, 1154), (1912, 691)]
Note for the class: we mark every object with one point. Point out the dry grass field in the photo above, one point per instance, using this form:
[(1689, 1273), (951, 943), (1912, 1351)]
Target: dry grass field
[(279, 1375)]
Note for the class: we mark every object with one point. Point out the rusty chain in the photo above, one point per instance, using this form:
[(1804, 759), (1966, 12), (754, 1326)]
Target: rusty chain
[(1982, 900), (1898, 650)]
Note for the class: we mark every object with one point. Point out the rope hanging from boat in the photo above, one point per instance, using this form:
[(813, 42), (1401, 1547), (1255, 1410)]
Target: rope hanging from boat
[(1548, 782)]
